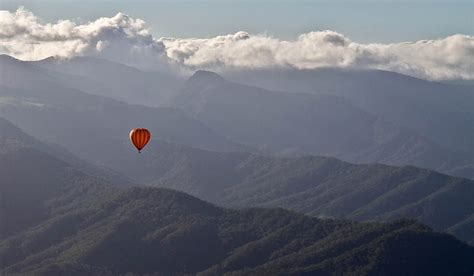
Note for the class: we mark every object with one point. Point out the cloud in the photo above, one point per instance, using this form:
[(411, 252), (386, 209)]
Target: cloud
[(128, 40), (121, 38), (448, 58)]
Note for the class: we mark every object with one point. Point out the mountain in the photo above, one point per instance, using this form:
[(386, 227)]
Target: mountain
[(115, 80), (56, 219), (96, 129), (318, 186), (168, 233), (92, 127), (11, 137), (275, 121), (39, 98), (300, 124), (440, 111), (31, 180), (59, 221)]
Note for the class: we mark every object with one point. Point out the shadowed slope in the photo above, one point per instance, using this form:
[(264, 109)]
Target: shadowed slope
[(314, 185), (301, 124), (56, 220)]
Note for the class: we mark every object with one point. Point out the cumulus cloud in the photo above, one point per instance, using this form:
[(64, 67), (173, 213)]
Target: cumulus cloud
[(24, 36), (448, 58), (128, 40)]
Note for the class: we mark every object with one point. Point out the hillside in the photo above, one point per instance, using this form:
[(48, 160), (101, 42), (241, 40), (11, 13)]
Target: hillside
[(94, 128), (216, 114), (272, 121), (167, 232), (12, 138), (300, 124), (56, 220), (318, 186), (114, 80), (440, 111), (33, 183)]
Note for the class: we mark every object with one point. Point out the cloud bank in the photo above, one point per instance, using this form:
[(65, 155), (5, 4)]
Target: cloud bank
[(124, 39), (121, 38)]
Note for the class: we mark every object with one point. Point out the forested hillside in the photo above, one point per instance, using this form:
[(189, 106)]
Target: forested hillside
[(57, 220)]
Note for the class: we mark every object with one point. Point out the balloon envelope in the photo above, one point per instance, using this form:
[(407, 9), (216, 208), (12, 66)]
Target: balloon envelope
[(140, 137)]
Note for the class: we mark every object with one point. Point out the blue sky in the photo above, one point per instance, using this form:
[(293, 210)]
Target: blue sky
[(361, 20)]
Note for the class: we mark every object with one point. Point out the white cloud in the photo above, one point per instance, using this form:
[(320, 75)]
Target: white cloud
[(448, 58), (24, 36), (128, 40)]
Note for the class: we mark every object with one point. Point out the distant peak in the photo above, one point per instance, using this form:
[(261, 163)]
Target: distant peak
[(48, 59), (202, 79), (8, 58), (206, 75)]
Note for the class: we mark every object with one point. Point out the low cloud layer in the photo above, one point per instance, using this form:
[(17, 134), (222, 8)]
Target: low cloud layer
[(448, 58), (120, 38), (128, 40)]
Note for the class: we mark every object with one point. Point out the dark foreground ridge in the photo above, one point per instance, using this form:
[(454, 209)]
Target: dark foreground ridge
[(318, 186)]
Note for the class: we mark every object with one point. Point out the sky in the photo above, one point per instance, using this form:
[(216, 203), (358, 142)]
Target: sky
[(363, 21), (426, 39)]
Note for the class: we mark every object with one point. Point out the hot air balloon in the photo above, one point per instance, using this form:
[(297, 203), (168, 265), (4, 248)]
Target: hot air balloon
[(140, 137)]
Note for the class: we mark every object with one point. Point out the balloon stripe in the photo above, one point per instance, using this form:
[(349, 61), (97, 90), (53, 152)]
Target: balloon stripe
[(134, 135), (137, 136), (140, 138), (137, 139), (140, 141)]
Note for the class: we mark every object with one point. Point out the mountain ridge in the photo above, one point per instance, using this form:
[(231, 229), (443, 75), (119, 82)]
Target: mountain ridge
[(299, 124), (94, 127), (320, 186), (12, 138), (401, 99), (170, 232)]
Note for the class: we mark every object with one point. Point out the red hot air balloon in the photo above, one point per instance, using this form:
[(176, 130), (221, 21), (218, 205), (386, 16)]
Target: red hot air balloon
[(140, 137)]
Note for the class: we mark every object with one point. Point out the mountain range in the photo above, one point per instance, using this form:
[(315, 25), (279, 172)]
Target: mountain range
[(76, 198), (324, 124), (57, 220), (114, 80), (215, 113), (94, 128), (317, 186), (209, 112), (441, 112)]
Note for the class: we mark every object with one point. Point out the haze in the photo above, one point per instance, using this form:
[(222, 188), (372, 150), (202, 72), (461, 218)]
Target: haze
[(287, 138)]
